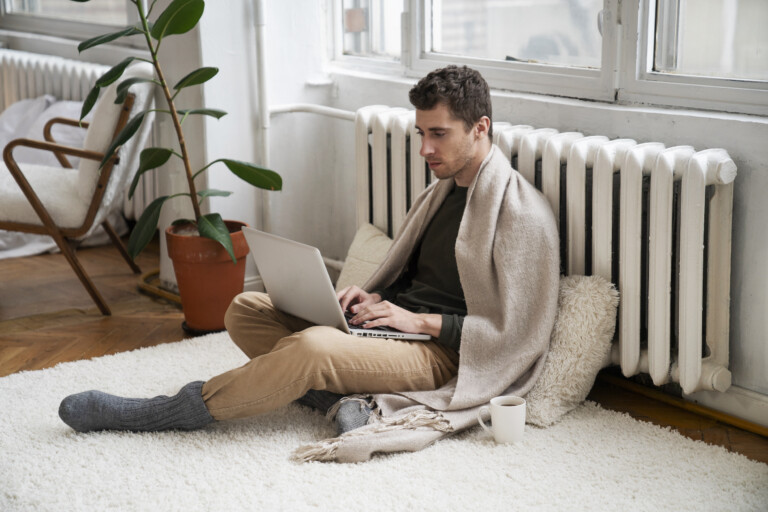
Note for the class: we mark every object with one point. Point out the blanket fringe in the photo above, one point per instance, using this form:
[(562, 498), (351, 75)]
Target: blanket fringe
[(325, 451), (412, 420), (322, 451)]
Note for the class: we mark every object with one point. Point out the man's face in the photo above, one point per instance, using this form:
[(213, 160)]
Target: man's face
[(449, 150)]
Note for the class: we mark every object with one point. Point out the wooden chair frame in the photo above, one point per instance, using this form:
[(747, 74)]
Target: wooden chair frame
[(65, 238)]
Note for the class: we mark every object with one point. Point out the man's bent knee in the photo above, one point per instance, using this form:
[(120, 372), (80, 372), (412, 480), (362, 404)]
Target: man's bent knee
[(313, 341), (243, 307)]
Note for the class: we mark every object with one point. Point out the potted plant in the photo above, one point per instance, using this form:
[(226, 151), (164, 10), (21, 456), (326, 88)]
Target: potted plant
[(206, 251)]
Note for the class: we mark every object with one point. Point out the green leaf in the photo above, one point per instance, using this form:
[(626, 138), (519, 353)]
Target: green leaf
[(197, 77), (218, 114), (179, 222), (106, 38), (213, 192), (256, 176), (123, 88), (150, 158), (125, 134), (114, 73), (145, 227), (212, 226), (179, 17), (90, 101)]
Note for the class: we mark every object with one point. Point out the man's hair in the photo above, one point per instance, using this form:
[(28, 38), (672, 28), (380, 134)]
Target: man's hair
[(463, 90)]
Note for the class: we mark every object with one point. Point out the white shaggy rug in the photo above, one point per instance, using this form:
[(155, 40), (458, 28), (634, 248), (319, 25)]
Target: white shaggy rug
[(593, 459)]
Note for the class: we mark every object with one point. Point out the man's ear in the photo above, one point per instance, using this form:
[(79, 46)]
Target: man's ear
[(482, 127)]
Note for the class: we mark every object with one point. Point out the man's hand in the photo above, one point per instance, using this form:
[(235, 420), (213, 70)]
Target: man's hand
[(371, 311), (353, 298)]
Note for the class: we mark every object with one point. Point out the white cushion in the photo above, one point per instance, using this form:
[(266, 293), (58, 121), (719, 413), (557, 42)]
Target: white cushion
[(581, 342), (367, 251), (99, 136), (56, 187), (65, 135), (16, 120)]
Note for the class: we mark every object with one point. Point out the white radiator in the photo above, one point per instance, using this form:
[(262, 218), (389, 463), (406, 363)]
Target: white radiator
[(26, 75), (656, 221)]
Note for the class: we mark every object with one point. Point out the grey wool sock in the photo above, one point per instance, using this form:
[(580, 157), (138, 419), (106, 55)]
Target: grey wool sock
[(94, 410), (319, 399), (352, 414)]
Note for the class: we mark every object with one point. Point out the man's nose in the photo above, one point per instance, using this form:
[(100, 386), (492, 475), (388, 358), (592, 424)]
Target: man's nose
[(426, 148)]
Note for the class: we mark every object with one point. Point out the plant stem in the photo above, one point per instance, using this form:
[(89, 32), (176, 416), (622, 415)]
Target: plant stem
[(174, 114)]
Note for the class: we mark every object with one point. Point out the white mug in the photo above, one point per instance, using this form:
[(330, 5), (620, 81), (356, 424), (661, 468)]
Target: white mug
[(507, 418)]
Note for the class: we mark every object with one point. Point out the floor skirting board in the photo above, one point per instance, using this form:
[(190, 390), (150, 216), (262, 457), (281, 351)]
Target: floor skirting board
[(697, 408)]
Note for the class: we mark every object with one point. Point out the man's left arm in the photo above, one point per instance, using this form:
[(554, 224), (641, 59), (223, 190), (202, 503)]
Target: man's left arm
[(450, 332)]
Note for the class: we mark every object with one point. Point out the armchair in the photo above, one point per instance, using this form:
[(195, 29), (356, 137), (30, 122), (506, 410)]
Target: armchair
[(64, 202)]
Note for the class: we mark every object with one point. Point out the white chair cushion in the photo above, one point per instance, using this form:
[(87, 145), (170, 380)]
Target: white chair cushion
[(56, 187), (101, 130)]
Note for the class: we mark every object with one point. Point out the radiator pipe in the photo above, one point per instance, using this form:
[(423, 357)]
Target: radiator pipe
[(261, 77), (313, 109)]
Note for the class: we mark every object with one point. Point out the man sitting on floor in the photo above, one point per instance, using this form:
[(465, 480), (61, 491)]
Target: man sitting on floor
[(475, 266)]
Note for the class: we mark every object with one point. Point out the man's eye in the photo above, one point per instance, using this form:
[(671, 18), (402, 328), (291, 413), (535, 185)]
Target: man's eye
[(439, 134)]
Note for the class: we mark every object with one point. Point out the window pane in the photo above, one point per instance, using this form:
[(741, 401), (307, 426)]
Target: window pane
[(718, 38), (559, 32), (372, 28), (104, 12)]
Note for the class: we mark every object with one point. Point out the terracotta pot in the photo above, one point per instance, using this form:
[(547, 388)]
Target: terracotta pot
[(208, 280)]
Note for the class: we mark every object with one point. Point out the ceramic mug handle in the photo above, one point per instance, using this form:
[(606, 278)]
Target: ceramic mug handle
[(480, 419)]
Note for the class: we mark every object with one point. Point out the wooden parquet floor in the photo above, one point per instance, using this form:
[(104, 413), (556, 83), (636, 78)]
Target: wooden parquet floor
[(46, 317)]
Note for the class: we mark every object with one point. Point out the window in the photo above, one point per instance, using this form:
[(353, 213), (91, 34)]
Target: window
[(710, 54), (372, 28), (717, 38), (68, 19), (557, 32), (103, 12)]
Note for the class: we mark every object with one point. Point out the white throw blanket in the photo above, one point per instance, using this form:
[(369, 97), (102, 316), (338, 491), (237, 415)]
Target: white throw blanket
[(507, 252)]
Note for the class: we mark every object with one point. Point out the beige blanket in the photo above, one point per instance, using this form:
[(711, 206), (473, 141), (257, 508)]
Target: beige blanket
[(507, 253)]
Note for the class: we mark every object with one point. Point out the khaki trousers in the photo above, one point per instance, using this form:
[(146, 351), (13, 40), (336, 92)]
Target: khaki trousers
[(290, 356)]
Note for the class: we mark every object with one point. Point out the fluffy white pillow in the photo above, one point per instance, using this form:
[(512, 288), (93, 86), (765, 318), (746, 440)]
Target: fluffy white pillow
[(65, 135), (581, 341), (368, 249), (16, 120)]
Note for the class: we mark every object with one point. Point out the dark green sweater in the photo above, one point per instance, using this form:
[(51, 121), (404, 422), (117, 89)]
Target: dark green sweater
[(430, 282)]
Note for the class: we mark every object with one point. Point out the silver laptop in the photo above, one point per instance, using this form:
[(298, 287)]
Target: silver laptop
[(298, 283)]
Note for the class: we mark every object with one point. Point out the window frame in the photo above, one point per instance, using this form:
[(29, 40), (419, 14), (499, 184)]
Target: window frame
[(356, 62), (594, 84), (68, 29), (626, 75), (641, 84)]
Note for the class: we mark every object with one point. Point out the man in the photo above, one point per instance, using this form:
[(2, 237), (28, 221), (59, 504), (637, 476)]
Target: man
[(479, 275)]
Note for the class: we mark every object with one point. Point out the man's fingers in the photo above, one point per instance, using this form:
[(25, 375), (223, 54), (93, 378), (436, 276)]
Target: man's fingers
[(341, 293), (379, 312), (350, 295)]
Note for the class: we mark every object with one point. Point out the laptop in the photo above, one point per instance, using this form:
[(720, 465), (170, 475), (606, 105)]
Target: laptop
[(298, 283)]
